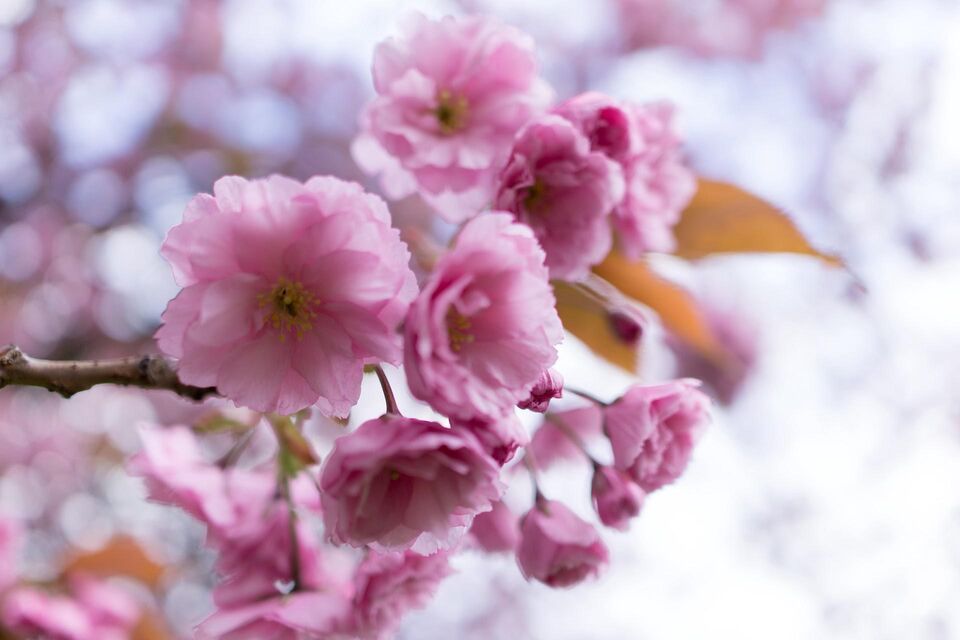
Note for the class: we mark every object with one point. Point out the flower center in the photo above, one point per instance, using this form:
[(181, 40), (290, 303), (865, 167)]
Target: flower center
[(535, 196), (290, 308), (451, 112), (458, 326)]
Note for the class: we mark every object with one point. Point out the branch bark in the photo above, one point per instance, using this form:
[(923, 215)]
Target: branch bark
[(68, 377)]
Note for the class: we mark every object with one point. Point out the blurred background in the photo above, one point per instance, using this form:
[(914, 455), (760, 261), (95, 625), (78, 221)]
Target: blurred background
[(824, 502)]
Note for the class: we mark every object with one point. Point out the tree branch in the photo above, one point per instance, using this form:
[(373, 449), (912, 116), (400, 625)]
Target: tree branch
[(68, 377)]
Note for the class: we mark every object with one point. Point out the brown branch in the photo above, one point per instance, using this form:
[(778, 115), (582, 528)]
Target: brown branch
[(68, 377)]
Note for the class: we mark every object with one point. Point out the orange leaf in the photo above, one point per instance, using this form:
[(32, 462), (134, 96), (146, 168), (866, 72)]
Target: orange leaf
[(678, 310), (122, 556), (589, 320), (723, 218)]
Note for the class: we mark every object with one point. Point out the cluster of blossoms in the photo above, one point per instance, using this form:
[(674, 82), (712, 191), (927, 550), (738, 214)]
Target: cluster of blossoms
[(461, 119), (291, 290)]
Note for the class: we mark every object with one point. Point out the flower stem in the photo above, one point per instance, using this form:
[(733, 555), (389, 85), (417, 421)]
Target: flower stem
[(573, 436), (292, 528), (387, 391), (586, 396)]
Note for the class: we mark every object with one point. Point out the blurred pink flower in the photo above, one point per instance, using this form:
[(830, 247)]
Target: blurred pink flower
[(388, 585), (9, 552), (31, 613), (640, 138), (485, 325), (616, 497), (397, 483), (557, 547), (228, 501), (289, 289), (97, 611), (500, 437), (548, 387), (309, 614), (725, 27), (107, 606), (247, 523), (497, 529), (565, 192), (653, 429), (550, 444), (451, 94)]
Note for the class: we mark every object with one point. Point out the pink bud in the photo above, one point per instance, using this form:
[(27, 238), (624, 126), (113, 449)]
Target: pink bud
[(557, 547), (653, 429), (616, 497), (548, 387), (626, 327)]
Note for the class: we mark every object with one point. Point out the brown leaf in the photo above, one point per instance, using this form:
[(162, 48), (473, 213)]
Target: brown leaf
[(677, 308), (122, 556), (150, 627), (587, 318), (723, 218)]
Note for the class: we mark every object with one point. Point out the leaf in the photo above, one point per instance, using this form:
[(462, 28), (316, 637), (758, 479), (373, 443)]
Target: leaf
[(723, 218), (677, 308), (296, 452), (150, 627), (122, 556), (590, 320)]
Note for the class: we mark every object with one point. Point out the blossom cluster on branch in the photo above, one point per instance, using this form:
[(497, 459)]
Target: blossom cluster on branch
[(290, 291)]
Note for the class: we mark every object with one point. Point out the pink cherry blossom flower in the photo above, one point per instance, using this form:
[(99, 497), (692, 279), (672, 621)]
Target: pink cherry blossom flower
[(247, 523), (107, 606), (659, 185), (653, 429), (485, 326), (289, 289), (500, 437), (641, 140), (616, 497), (308, 614), (558, 548), (608, 125), (388, 585), (397, 483), (30, 612), (176, 473), (260, 563), (548, 387), (97, 611), (564, 191), (497, 529), (451, 94)]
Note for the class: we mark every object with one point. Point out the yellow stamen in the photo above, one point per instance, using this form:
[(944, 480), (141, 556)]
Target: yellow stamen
[(535, 196), (292, 308), (451, 112), (457, 329)]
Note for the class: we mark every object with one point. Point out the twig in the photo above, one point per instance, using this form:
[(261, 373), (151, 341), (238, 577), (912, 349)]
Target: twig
[(68, 377)]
